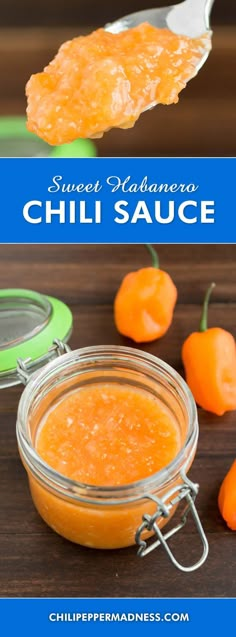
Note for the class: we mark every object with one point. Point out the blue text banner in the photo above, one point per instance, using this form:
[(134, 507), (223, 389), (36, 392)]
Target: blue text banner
[(85, 617), (164, 200)]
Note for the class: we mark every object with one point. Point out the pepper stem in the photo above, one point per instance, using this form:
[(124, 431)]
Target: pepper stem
[(154, 255), (204, 317)]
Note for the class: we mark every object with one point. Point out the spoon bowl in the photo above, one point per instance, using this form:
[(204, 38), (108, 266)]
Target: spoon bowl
[(190, 18)]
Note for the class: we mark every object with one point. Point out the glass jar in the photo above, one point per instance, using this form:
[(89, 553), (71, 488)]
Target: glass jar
[(29, 322), (110, 518)]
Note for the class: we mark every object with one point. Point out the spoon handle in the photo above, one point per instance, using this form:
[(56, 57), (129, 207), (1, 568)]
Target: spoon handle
[(202, 5)]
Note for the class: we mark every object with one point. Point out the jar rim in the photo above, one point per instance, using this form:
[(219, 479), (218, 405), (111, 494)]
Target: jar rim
[(94, 493)]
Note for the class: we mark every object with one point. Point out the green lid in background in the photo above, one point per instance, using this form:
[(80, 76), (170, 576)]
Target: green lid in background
[(78, 148), (29, 323), (14, 127), (17, 141)]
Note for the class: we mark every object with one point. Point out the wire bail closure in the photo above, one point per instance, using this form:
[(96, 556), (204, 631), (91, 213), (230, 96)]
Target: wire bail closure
[(188, 492), (26, 367)]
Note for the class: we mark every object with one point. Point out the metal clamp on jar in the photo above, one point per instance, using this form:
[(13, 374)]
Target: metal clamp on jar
[(33, 350)]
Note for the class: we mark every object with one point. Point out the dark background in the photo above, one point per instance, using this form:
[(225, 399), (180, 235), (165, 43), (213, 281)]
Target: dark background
[(202, 124), (87, 12)]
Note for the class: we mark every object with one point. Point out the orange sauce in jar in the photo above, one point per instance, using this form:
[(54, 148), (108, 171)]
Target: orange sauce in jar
[(106, 80), (106, 435)]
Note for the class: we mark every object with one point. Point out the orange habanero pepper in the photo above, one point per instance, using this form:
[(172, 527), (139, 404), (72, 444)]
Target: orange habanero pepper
[(227, 498), (144, 303), (209, 358)]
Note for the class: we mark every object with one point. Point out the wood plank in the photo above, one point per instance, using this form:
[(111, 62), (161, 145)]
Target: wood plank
[(42, 566), (83, 11)]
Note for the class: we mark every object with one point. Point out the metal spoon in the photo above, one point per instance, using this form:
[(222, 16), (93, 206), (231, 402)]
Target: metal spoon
[(191, 18)]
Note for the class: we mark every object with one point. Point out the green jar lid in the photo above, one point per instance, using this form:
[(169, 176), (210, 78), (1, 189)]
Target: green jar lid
[(16, 140), (14, 127), (29, 324)]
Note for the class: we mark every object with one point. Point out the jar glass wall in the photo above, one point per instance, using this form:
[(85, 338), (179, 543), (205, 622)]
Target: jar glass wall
[(101, 517)]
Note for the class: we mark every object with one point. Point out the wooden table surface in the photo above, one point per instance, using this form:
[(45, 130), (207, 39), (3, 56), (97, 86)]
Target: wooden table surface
[(34, 561)]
